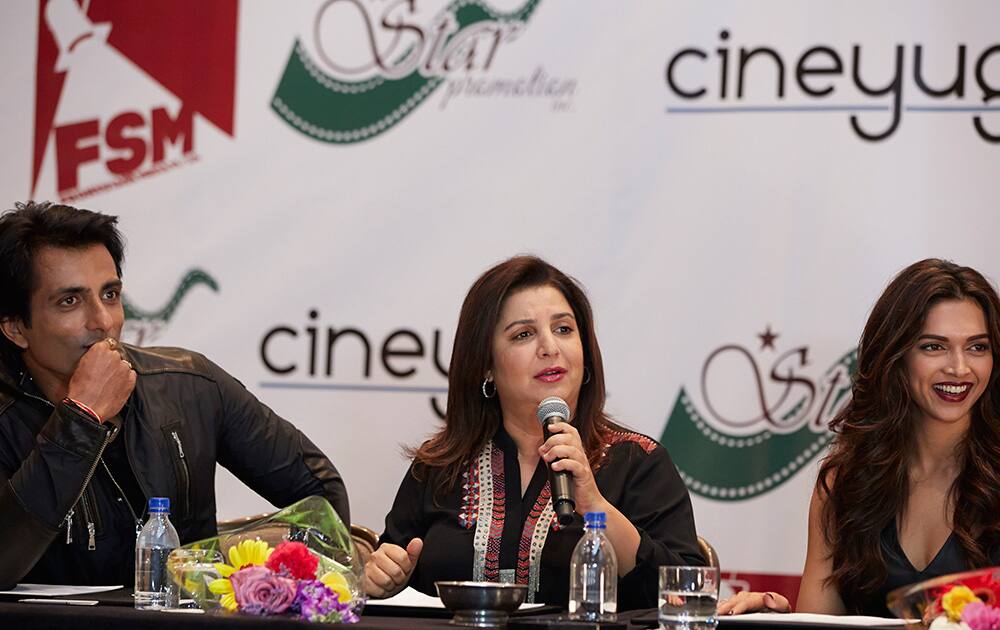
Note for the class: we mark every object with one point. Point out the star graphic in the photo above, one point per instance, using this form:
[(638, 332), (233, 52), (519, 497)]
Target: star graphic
[(767, 338)]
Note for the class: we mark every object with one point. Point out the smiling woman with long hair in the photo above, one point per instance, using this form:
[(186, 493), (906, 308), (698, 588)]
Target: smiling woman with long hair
[(909, 489), (476, 502)]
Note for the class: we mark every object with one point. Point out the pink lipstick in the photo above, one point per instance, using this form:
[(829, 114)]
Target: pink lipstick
[(551, 374)]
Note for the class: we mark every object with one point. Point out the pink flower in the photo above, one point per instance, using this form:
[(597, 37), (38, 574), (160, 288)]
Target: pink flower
[(293, 559), (979, 616), (260, 591)]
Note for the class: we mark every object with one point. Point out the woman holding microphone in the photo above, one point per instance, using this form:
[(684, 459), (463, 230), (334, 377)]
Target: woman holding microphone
[(476, 503)]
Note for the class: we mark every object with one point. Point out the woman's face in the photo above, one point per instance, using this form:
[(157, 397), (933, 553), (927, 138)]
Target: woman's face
[(537, 351), (949, 366)]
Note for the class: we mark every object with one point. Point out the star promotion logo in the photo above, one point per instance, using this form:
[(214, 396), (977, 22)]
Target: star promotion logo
[(761, 418), (368, 64), (120, 85)]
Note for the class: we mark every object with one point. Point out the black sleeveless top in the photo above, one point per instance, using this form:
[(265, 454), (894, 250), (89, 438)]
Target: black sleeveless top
[(900, 572)]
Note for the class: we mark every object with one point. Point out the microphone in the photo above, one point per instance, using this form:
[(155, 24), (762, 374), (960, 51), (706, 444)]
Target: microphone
[(554, 409)]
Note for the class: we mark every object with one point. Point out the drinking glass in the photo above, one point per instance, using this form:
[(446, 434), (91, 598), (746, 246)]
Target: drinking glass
[(688, 596), (191, 571)]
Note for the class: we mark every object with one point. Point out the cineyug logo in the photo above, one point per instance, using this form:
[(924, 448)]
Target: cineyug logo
[(762, 416), (368, 64), (874, 87)]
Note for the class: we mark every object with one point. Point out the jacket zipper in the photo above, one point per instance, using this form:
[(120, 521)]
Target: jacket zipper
[(183, 471), (88, 517), (123, 498), (86, 480), (91, 543)]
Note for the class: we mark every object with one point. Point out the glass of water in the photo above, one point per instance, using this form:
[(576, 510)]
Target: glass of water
[(191, 571), (688, 596)]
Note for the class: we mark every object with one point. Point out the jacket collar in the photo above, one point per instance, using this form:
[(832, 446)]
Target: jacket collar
[(15, 382)]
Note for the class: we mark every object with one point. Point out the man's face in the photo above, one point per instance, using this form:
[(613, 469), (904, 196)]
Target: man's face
[(76, 302)]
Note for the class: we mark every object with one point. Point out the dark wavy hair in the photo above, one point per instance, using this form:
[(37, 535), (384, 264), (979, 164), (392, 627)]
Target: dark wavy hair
[(30, 226), (471, 420), (864, 480)]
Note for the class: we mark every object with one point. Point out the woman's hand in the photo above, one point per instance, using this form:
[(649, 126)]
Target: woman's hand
[(389, 568), (751, 601), (565, 445)]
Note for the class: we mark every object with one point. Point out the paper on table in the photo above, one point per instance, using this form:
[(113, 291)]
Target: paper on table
[(57, 590), (829, 621), (411, 597)]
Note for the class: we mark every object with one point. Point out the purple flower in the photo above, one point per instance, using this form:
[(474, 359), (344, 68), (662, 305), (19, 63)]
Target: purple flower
[(979, 616), (314, 601), (260, 591)]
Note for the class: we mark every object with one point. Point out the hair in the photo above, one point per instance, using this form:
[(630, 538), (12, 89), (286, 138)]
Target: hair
[(865, 478), (31, 226), (471, 419)]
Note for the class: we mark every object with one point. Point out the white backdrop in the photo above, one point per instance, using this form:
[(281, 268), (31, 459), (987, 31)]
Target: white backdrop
[(693, 222)]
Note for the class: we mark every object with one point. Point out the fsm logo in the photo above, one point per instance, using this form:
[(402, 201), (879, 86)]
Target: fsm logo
[(143, 326), (762, 416), (874, 87), (368, 64), (120, 86)]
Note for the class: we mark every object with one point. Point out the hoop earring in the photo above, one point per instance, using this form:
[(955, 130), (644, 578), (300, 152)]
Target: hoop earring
[(586, 375), (489, 381)]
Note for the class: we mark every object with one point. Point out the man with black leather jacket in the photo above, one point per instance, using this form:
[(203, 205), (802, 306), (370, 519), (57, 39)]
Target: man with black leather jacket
[(90, 428)]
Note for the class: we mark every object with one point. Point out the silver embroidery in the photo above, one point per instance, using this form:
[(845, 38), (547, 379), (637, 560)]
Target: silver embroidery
[(484, 517), (542, 527)]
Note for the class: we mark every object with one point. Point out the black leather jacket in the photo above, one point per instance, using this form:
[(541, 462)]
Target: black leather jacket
[(184, 415)]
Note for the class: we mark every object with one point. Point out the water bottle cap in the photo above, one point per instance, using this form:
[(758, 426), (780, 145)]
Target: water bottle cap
[(159, 504), (595, 519)]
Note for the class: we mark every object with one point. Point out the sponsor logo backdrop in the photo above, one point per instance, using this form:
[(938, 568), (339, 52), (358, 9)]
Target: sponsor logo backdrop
[(309, 188)]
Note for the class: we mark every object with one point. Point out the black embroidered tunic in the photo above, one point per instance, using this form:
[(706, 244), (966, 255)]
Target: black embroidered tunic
[(484, 530)]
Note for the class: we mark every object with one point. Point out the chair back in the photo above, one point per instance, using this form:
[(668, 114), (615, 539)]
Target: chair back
[(708, 552), (365, 540)]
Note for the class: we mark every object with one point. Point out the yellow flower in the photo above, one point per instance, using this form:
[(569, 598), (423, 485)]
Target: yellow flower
[(249, 552), (222, 586), (246, 553), (338, 584), (955, 600)]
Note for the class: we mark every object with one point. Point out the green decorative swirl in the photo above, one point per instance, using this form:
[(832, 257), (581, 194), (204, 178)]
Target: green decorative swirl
[(192, 278), (345, 112), (724, 467)]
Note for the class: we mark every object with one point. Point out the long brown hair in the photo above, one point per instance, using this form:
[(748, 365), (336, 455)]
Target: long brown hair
[(865, 478), (471, 419)]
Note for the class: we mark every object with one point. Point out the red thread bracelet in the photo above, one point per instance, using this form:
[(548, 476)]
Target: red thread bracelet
[(77, 403)]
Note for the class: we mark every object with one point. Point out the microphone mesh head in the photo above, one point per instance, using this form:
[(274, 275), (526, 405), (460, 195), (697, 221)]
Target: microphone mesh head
[(553, 406)]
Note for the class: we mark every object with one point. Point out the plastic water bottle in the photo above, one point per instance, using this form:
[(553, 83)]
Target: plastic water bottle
[(153, 587), (593, 573)]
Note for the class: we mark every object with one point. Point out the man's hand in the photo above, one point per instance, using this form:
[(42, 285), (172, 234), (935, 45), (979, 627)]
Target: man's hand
[(103, 379), (389, 568)]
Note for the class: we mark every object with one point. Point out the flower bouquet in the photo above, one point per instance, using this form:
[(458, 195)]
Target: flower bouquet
[(299, 561), (966, 601)]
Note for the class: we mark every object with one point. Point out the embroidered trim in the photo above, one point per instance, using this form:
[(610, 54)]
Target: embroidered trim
[(492, 560), (617, 437), (469, 510), (485, 509), (536, 530), (484, 501)]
